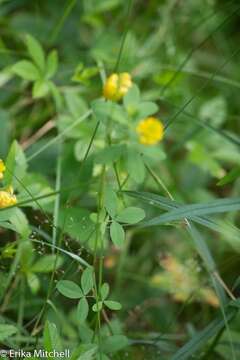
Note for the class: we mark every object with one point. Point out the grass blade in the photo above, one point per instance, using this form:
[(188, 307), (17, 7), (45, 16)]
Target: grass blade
[(201, 338), (192, 211)]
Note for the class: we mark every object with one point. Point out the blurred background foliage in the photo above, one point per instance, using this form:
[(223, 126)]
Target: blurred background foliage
[(184, 57)]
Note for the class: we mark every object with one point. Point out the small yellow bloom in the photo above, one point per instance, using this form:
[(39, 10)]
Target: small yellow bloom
[(7, 198), (150, 131), (116, 86), (2, 169)]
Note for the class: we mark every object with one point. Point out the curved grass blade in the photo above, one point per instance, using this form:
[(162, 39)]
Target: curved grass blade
[(162, 202), (194, 210), (201, 338), (73, 256)]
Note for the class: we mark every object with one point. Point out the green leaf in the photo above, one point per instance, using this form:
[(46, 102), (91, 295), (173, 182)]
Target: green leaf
[(6, 225), (102, 110), (110, 154), (98, 306), (36, 52), (17, 218), (135, 166), (87, 280), (131, 215), (47, 263), (104, 291), (69, 289), (10, 164), (117, 233), (36, 185), (131, 99), (52, 64), (85, 352), (33, 282), (56, 95), (146, 108), (230, 177), (26, 70), (86, 334), (40, 89), (113, 305), (110, 201), (214, 111), (82, 310), (26, 255), (76, 222), (75, 103), (201, 338), (6, 331), (82, 75), (115, 343), (20, 167), (51, 338)]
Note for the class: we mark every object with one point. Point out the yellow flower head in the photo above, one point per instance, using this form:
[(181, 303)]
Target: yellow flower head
[(116, 86), (150, 131), (2, 169), (7, 198)]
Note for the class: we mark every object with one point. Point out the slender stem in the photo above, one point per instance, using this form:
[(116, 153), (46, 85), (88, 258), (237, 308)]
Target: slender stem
[(158, 181), (9, 294), (57, 199), (60, 135), (21, 302)]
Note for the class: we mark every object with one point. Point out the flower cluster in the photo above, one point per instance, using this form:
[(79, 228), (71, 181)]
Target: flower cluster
[(7, 197), (116, 86), (150, 130)]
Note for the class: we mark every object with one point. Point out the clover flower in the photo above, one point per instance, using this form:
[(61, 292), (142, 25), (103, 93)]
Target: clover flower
[(150, 131), (2, 169), (7, 198), (116, 86)]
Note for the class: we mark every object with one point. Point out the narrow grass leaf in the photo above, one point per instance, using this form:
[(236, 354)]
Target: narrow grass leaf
[(202, 338)]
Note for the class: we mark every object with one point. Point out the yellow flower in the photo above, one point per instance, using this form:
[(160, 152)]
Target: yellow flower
[(2, 169), (116, 86), (7, 198), (150, 131)]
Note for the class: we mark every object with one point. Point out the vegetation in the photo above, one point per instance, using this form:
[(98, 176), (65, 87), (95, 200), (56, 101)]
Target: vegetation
[(119, 179)]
